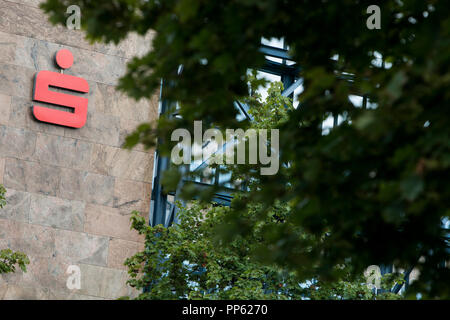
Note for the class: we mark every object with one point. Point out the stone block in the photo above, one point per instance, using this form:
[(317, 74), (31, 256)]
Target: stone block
[(16, 80), (34, 240), (99, 128), (8, 44), (87, 186), (71, 295), (131, 195), (3, 289), (5, 108), (17, 206), (2, 169), (110, 101), (18, 292), (42, 272), (61, 151), (77, 247), (32, 3), (106, 221), (122, 163), (57, 213), (105, 282), (31, 176), (120, 250), (17, 142), (127, 127)]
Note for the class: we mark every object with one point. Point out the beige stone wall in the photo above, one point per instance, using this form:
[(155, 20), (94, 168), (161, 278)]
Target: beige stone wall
[(70, 191)]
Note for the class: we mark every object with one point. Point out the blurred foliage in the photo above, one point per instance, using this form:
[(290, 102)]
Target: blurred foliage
[(187, 261), (376, 185), (9, 259)]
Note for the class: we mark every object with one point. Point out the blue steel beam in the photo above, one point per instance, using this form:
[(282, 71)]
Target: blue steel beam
[(290, 90), (275, 52), (158, 204)]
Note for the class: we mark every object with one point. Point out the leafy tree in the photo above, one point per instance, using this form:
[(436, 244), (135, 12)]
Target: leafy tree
[(9, 259), (376, 185), (188, 260)]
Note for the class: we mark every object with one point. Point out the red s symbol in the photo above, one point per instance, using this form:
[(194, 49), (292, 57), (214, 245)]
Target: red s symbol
[(42, 93)]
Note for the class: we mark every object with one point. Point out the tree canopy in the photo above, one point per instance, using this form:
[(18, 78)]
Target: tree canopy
[(188, 261), (376, 185)]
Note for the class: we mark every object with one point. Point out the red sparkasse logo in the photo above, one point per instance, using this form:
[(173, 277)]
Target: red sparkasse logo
[(42, 93)]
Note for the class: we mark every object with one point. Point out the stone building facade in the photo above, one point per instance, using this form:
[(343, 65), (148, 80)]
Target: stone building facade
[(70, 191)]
